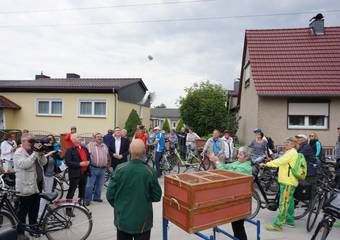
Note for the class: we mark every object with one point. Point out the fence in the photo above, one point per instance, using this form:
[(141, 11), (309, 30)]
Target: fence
[(329, 150)]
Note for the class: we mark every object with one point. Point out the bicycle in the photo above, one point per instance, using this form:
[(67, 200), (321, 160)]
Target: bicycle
[(108, 175), (150, 156), (262, 201), (331, 210), (169, 163), (325, 183), (63, 179), (192, 162), (56, 221), (261, 198)]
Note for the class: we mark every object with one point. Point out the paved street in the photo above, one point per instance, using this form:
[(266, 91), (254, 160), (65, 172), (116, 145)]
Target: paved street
[(104, 229)]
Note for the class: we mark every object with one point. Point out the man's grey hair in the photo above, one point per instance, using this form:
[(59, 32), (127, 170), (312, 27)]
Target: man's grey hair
[(74, 137), (26, 136), (245, 150)]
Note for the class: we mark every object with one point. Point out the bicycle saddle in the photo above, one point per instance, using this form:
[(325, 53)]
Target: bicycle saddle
[(49, 196)]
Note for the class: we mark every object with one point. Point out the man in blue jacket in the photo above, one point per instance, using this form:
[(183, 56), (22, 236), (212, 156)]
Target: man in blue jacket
[(308, 153)]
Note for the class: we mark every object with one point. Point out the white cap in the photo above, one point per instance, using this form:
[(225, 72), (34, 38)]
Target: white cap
[(157, 128), (301, 136)]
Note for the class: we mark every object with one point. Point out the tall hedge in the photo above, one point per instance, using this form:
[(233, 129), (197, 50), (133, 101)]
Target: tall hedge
[(132, 122), (180, 124), (166, 126)]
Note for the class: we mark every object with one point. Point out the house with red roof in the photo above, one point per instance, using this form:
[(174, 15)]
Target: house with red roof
[(290, 83)]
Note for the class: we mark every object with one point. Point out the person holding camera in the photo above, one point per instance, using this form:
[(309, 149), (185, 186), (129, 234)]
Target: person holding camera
[(28, 160), (77, 159), (50, 169)]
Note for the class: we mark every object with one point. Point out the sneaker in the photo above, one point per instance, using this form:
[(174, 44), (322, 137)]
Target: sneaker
[(291, 225), (87, 203), (97, 200), (272, 228)]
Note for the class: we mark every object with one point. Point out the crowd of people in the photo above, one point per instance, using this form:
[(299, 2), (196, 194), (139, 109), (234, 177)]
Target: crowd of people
[(134, 185)]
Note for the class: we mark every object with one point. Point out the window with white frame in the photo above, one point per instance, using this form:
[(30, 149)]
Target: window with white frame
[(308, 115), (92, 108), (49, 107)]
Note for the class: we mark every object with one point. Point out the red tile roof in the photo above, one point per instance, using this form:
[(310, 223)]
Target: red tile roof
[(6, 103), (294, 62)]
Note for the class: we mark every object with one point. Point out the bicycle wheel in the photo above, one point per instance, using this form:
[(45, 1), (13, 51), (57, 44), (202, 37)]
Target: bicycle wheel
[(59, 224), (6, 221), (107, 177), (302, 208), (321, 231), (167, 166), (175, 165), (255, 205), (58, 188), (205, 163), (314, 212), (65, 177)]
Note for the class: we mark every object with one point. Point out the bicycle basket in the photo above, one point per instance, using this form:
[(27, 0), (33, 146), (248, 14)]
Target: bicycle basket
[(303, 191), (332, 206)]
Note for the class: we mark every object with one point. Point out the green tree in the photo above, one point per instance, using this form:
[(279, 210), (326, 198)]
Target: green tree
[(180, 124), (132, 122), (166, 126), (205, 108), (162, 105)]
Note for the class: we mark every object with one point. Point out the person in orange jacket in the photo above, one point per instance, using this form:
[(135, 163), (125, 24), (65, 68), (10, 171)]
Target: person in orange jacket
[(67, 138)]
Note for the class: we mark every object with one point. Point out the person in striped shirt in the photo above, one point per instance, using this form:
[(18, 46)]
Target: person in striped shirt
[(99, 154)]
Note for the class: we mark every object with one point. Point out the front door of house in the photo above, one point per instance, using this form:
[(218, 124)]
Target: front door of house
[(2, 125)]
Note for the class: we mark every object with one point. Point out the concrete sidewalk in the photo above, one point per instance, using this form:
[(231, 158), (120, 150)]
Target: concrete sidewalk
[(103, 228)]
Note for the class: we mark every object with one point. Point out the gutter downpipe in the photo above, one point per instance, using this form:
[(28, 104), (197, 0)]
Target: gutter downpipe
[(115, 111)]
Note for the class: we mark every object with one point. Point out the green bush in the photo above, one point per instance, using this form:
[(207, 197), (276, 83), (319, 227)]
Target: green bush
[(132, 122), (166, 126), (180, 124)]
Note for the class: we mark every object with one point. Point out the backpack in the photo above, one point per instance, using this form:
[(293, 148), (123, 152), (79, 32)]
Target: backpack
[(300, 168), (270, 145), (303, 191)]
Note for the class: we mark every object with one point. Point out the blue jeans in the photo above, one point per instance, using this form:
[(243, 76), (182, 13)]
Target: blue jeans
[(257, 158), (95, 183)]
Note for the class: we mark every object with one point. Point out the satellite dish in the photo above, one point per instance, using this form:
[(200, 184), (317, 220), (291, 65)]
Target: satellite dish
[(150, 58), (152, 96)]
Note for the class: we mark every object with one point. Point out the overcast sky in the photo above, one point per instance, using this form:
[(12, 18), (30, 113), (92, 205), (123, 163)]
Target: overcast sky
[(183, 52)]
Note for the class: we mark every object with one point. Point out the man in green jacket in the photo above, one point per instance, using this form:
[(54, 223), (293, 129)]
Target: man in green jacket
[(132, 189)]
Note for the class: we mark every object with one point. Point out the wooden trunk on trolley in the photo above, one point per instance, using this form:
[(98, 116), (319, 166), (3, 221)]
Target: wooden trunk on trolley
[(201, 200)]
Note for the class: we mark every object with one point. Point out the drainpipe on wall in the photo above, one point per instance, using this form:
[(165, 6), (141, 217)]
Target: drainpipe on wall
[(115, 110)]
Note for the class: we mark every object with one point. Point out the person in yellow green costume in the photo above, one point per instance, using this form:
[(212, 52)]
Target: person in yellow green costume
[(288, 183)]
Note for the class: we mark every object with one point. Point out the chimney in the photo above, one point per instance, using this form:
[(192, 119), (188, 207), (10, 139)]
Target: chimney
[(41, 76), (317, 24), (237, 86), (72, 75)]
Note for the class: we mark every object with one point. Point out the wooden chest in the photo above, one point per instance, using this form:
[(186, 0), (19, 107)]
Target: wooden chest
[(198, 201)]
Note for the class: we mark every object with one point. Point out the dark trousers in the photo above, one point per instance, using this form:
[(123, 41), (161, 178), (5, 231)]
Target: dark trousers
[(116, 162), (79, 183), (28, 205), (337, 170), (239, 230), (140, 236), (182, 151), (158, 158)]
